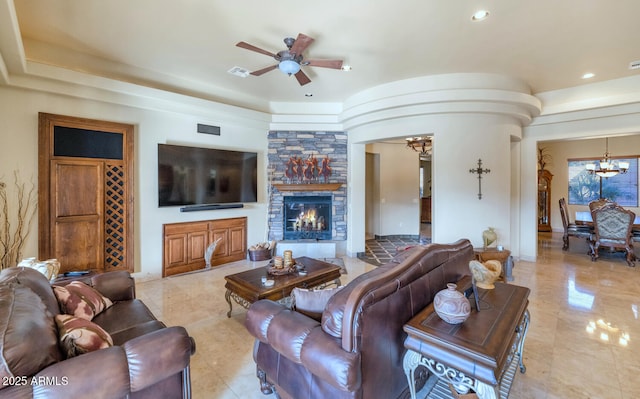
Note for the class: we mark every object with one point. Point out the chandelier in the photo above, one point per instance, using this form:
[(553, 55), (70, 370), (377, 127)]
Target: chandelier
[(423, 145), (606, 167)]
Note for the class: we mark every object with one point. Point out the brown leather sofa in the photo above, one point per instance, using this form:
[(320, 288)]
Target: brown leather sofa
[(147, 359), (356, 350)]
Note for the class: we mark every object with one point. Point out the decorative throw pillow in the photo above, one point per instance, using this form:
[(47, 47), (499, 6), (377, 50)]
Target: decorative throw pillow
[(78, 336), (81, 300), (312, 302)]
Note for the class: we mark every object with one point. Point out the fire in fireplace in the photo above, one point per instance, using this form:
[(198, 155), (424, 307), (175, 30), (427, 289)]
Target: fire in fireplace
[(307, 217)]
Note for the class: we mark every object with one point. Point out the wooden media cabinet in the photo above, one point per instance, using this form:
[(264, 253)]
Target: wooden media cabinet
[(185, 244)]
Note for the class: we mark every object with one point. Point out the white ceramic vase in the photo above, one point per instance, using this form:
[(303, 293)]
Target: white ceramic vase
[(451, 305)]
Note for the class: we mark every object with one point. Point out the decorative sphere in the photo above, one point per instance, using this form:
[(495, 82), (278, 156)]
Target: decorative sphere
[(451, 305)]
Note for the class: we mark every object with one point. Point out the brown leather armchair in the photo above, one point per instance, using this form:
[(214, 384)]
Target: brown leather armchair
[(148, 359), (357, 349)]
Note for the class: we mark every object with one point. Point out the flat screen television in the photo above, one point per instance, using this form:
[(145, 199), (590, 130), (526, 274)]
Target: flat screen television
[(191, 176)]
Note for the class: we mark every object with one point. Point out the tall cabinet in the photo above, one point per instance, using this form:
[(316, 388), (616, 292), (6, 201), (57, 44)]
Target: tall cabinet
[(85, 193), (544, 200)]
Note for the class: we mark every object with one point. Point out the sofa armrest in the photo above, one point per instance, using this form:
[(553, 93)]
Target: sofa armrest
[(301, 339), (100, 374), (117, 286), (158, 355), (116, 371)]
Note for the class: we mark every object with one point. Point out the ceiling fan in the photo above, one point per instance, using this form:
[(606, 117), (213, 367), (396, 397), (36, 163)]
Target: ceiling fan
[(291, 60)]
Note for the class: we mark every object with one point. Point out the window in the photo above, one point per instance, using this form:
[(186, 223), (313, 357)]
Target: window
[(584, 187)]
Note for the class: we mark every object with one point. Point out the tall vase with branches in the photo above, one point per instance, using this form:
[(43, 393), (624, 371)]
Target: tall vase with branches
[(15, 219)]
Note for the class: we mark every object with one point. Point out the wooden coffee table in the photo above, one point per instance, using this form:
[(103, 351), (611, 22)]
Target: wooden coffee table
[(246, 287), (477, 353)]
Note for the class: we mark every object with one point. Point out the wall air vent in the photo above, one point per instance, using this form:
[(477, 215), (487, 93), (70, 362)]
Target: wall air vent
[(634, 65), (239, 71)]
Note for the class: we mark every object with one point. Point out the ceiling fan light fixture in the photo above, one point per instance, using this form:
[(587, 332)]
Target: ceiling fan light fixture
[(290, 67)]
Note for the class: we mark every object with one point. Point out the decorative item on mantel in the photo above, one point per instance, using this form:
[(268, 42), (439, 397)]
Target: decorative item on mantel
[(451, 305), (299, 171), (325, 169), (489, 238)]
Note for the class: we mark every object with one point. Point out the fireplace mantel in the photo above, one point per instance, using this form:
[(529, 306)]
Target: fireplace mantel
[(282, 187)]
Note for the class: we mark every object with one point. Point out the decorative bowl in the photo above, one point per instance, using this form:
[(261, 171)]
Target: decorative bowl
[(485, 274)]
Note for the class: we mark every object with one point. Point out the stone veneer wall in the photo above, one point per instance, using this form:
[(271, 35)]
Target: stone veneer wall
[(286, 144)]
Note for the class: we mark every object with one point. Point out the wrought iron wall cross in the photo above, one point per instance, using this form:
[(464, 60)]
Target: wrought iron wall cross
[(479, 171)]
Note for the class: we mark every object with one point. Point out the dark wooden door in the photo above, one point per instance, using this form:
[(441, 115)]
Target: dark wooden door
[(85, 195), (76, 215)]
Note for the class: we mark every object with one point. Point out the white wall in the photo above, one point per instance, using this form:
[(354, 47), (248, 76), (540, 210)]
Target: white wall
[(443, 105), (372, 194), (459, 141), (398, 190), (19, 131), (458, 146), (471, 116)]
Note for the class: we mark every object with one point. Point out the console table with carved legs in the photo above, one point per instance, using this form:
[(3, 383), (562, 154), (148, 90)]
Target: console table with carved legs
[(476, 354)]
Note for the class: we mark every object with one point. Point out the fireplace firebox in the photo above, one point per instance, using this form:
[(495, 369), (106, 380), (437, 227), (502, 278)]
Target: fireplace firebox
[(307, 217)]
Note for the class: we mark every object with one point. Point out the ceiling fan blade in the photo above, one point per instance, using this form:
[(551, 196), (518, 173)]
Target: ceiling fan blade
[(264, 70), (334, 64), (248, 46), (302, 78), (302, 42)]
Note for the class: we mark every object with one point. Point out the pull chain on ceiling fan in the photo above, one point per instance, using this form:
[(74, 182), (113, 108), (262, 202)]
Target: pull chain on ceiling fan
[(291, 60)]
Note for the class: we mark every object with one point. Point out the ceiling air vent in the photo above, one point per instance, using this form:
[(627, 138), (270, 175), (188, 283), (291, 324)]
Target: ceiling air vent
[(238, 71), (634, 65)]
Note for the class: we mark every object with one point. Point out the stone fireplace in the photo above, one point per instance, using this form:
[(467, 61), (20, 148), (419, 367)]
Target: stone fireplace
[(286, 144), (307, 217)]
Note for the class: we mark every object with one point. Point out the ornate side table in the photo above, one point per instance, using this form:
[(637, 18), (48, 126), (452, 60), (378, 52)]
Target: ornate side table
[(473, 355)]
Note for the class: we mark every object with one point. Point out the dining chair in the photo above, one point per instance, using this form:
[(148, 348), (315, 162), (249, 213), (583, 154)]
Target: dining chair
[(595, 204), (571, 229), (612, 228)]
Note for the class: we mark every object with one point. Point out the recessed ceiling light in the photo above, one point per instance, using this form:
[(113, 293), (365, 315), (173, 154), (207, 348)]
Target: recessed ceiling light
[(588, 75), (480, 15), (346, 67)]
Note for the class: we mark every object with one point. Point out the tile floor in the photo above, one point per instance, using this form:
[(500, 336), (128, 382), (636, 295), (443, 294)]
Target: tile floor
[(573, 303), (379, 250)]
